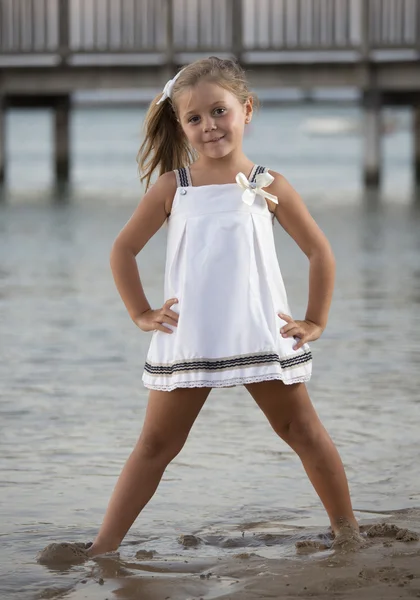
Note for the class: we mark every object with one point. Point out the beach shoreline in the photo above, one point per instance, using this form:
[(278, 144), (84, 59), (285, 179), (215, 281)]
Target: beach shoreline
[(387, 567)]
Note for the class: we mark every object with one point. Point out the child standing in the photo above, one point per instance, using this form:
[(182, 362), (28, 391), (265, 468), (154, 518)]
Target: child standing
[(226, 319)]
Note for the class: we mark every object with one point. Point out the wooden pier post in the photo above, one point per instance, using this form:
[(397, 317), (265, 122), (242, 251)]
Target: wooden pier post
[(2, 141), (237, 24), (63, 30), (170, 47), (416, 144), (371, 108), (372, 139), (62, 139)]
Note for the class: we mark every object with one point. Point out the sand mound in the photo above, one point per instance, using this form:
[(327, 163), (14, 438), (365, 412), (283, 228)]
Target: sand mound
[(392, 531), (311, 546), (189, 541), (63, 553)]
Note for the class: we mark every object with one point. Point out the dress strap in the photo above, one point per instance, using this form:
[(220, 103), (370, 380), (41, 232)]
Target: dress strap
[(256, 170), (183, 177)]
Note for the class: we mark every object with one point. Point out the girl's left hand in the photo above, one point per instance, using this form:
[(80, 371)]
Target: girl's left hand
[(306, 331)]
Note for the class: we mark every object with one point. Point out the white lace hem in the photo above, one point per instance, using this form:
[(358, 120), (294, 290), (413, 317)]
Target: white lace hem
[(226, 382)]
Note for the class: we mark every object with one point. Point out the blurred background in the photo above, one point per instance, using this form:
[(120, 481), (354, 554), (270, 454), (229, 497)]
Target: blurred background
[(339, 82), (350, 67)]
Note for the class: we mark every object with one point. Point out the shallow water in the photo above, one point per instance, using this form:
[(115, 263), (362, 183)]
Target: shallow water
[(72, 401)]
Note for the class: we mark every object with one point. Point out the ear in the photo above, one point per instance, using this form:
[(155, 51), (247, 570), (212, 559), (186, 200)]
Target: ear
[(249, 108)]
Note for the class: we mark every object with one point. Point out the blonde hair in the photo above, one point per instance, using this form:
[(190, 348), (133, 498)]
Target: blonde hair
[(165, 146)]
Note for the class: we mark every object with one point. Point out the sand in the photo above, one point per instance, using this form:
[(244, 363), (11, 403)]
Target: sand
[(385, 566)]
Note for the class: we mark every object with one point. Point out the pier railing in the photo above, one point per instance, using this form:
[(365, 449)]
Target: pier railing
[(171, 27)]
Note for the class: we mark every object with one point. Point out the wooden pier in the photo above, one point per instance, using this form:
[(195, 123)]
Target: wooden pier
[(50, 49)]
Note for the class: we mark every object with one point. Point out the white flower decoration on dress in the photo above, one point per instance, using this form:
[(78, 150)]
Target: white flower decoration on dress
[(169, 86), (252, 189)]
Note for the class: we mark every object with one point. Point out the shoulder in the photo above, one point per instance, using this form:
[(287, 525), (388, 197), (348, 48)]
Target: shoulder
[(280, 182), (165, 183), (163, 190), (280, 188), (290, 211)]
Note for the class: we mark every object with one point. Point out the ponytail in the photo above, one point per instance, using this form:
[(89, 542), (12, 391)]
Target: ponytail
[(165, 146)]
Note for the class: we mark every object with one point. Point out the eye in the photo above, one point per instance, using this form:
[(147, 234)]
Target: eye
[(219, 111), (194, 119)]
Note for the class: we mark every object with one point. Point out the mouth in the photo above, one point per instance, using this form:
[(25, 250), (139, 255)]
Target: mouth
[(215, 140)]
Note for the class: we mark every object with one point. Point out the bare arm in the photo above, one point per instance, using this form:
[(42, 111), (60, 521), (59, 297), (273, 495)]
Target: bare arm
[(146, 220), (295, 218)]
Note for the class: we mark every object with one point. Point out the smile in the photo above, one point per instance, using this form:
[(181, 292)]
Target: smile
[(215, 140)]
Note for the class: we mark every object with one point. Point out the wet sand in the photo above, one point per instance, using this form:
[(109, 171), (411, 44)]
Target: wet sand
[(388, 567)]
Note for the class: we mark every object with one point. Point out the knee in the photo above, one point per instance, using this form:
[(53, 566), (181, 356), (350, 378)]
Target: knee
[(156, 448), (301, 433)]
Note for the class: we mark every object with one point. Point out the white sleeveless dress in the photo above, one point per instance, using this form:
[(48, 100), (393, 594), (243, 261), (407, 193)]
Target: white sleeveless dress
[(221, 265)]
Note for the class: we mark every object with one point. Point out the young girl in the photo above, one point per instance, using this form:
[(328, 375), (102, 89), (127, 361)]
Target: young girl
[(226, 320)]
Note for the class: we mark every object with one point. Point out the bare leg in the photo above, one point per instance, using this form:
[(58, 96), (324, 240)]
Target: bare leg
[(289, 410), (169, 418)]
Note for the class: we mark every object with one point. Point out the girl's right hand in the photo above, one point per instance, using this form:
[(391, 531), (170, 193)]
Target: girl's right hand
[(152, 320)]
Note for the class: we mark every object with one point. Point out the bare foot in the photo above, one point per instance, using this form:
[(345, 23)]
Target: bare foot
[(97, 549), (347, 536)]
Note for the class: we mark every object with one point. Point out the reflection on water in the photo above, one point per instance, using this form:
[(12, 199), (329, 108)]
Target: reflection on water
[(72, 401)]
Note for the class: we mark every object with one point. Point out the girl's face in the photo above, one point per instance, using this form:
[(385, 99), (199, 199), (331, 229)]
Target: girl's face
[(213, 119)]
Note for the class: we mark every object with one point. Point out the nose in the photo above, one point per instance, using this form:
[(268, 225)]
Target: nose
[(209, 125)]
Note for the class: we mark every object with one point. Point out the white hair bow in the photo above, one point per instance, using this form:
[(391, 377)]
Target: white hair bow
[(252, 189), (167, 90)]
